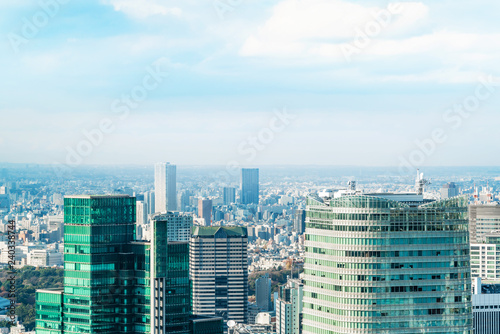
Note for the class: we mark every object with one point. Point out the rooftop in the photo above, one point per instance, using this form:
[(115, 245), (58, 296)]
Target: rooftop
[(97, 196), (211, 231)]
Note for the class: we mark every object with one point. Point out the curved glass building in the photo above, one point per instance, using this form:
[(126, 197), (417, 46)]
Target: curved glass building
[(386, 263)]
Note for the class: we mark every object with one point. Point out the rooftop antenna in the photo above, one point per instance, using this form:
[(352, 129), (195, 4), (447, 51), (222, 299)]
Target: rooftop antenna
[(420, 183)]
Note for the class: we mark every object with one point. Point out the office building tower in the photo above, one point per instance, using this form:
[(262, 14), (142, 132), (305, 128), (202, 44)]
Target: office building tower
[(112, 283), (250, 186), (299, 221), (289, 307), (485, 257), (386, 263), (97, 230), (263, 293), (229, 195), (449, 190), (178, 225), (183, 202), (252, 313), (486, 307), (484, 219), (219, 272), (142, 213), (205, 210), (165, 187), (149, 200)]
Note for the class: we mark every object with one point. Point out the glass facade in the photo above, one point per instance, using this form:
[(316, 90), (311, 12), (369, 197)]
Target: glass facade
[(113, 284), (375, 265)]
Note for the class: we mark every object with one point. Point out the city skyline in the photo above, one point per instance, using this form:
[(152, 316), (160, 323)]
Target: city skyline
[(244, 167)]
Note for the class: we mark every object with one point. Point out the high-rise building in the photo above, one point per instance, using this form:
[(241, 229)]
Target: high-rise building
[(449, 190), (263, 293), (142, 213), (165, 187), (299, 221), (486, 307), (149, 200), (113, 284), (219, 272), (178, 225), (183, 198), (229, 195), (250, 186), (289, 307), (205, 210), (386, 263), (484, 219), (141, 221), (485, 257)]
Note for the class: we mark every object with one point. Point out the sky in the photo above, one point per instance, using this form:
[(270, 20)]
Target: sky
[(248, 83)]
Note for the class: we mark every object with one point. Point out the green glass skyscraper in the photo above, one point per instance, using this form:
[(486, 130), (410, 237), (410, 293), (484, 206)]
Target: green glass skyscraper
[(386, 263), (113, 284)]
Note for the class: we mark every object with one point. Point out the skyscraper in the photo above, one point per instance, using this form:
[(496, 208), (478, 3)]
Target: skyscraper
[(205, 210), (250, 186), (97, 281), (149, 200), (178, 225), (289, 307), (485, 304), (263, 293), (299, 221), (449, 190), (113, 284), (485, 257), (219, 272), (165, 187), (386, 263), (142, 213), (229, 195), (484, 219)]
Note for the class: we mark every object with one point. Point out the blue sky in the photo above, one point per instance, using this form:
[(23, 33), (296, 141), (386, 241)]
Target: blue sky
[(231, 64)]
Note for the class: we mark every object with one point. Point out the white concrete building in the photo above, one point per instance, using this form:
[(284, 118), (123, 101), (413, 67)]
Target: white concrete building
[(165, 187)]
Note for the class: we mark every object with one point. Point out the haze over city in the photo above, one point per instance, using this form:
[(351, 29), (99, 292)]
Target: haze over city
[(249, 167), (357, 100)]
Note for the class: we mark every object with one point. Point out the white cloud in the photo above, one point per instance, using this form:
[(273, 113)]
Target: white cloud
[(299, 28), (143, 9)]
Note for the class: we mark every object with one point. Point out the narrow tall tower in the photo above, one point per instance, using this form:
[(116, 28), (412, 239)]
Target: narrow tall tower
[(250, 186), (165, 187)]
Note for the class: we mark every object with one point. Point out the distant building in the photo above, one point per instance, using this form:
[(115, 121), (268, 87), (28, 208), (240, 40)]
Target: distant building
[(299, 221), (184, 200), (44, 258), (253, 311), (483, 219), (205, 210), (263, 293), (449, 190), (485, 257), (229, 195), (149, 200), (486, 307), (219, 272), (165, 187), (142, 213), (178, 225), (250, 186), (289, 308)]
